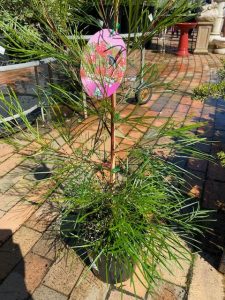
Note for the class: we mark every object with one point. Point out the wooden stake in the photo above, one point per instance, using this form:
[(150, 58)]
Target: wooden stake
[(116, 14), (113, 108), (84, 99), (113, 139)]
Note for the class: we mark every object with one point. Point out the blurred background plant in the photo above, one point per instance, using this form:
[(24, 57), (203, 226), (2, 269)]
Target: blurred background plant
[(221, 156), (57, 31), (214, 90)]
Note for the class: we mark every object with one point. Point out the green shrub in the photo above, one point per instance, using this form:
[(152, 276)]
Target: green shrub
[(213, 90), (221, 156), (210, 90)]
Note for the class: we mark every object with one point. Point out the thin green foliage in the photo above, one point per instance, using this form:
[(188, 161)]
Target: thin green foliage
[(214, 90), (142, 220)]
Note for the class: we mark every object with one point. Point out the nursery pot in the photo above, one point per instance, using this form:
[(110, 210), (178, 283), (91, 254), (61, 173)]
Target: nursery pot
[(106, 267), (109, 269)]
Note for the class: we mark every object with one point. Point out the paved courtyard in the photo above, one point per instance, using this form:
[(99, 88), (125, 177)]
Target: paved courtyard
[(29, 266)]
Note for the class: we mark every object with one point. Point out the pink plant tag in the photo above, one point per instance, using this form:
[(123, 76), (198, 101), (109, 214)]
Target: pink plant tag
[(103, 64)]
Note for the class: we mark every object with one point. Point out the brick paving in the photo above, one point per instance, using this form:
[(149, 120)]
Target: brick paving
[(29, 268)]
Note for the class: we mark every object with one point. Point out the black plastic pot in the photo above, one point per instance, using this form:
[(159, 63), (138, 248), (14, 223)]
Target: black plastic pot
[(109, 269), (106, 267)]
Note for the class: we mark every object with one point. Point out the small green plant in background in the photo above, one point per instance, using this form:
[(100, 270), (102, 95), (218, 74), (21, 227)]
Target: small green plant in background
[(221, 156), (212, 90)]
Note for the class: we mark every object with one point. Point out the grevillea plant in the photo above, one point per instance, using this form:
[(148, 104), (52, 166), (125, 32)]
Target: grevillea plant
[(133, 211)]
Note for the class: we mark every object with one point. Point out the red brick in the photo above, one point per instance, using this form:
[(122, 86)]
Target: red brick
[(159, 122), (183, 108), (155, 97), (197, 104), (45, 293), (195, 112), (10, 164), (151, 113), (48, 246), (106, 145), (168, 291), (121, 154), (64, 273), (135, 135), (42, 218), (206, 283), (6, 151), (214, 196), (124, 147), (89, 287), (123, 129), (116, 295), (16, 248), (25, 278), (14, 218), (8, 201), (216, 172), (197, 164), (126, 112), (166, 112)]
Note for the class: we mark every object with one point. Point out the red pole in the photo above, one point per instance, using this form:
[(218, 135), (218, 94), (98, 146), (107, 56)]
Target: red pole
[(113, 139), (113, 109)]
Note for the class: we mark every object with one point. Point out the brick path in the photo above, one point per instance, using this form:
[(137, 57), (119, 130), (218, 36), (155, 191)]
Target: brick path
[(28, 265)]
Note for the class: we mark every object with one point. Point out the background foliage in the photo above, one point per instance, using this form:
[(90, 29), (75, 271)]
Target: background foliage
[(212, 89)]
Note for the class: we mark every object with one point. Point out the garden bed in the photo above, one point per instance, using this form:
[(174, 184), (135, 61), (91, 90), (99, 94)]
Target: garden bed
[(9, 66), (26, 97)]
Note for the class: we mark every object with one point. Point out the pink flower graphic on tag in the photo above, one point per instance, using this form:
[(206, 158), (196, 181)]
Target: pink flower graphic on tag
[(103, 64), (101, 49)]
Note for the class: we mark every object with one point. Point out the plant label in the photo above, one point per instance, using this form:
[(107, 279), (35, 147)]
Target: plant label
[(103, 64), (150, 17), (2, 50)]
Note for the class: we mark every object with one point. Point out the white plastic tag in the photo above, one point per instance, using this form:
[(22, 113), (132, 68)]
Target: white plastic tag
[(101, 23), (150, 17), (2, 50)]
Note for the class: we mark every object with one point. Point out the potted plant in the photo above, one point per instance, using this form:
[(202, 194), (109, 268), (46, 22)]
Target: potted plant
[(124, 208), (135, 223)]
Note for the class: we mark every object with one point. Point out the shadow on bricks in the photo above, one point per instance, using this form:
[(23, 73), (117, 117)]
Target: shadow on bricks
[(211, 179), (12, 285)]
